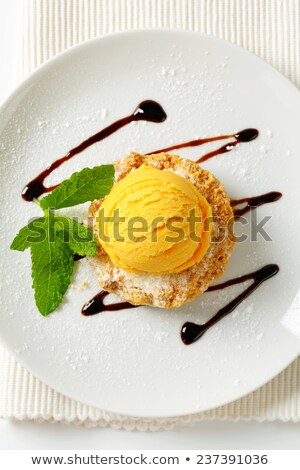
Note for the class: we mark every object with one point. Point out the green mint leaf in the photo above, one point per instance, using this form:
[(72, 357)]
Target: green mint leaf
[(80, 238), (28, 235), (52, 267), (86, 185)]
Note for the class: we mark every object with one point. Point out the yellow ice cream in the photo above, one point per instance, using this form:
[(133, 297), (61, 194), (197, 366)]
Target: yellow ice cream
[(157, 222)]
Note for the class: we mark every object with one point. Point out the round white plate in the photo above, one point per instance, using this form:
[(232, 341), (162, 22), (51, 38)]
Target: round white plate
[(133, 361)]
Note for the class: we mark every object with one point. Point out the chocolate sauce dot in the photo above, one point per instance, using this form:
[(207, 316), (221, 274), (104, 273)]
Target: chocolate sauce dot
[(150, 111), (97, 305), (190, 332), (33, 190), (246, 135)]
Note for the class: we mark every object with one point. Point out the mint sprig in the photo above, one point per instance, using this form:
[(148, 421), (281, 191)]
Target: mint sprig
[(28, 235), (80, 238), (81, 187), (54, 239), (52, 267)]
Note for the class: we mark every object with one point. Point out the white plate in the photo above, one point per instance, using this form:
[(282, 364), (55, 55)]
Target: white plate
[(133, 361)]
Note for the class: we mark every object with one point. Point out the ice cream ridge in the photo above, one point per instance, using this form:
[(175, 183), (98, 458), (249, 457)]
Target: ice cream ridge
[(154, 221)]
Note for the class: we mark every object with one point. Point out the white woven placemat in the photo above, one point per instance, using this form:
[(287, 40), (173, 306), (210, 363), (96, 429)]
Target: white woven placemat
[(271, 29)]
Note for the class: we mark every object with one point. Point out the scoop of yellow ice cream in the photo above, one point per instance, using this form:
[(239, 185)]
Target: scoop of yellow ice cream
[(154, 221)]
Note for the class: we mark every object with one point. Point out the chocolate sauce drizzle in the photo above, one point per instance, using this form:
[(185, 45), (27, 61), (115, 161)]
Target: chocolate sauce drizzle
[(148, 110), (246, 135), (253, 202), (152, 111), (191, 332), (97, 305)]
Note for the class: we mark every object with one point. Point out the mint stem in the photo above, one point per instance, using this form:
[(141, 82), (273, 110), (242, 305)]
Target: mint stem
[(36, 201)]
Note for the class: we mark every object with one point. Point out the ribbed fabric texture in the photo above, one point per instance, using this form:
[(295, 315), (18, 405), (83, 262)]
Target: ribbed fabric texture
[(269, 28), (25, 397)]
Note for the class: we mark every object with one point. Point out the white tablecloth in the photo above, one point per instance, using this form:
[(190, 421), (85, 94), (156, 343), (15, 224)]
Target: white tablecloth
[(271, 29)]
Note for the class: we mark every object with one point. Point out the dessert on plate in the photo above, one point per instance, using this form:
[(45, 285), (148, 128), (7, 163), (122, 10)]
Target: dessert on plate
[(158, 230), (164, 231)]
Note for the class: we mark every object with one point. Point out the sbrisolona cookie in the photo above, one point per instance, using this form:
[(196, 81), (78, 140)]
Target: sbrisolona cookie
[(169, 262)]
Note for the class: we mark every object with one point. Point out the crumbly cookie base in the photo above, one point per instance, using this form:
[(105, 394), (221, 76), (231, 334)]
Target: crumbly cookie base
[(176, 289)]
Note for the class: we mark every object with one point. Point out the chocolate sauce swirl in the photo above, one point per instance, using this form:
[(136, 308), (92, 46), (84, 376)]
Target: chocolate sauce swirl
[(246, 135), (97, 305), (148, 110), (253, 202), (191, 332)]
